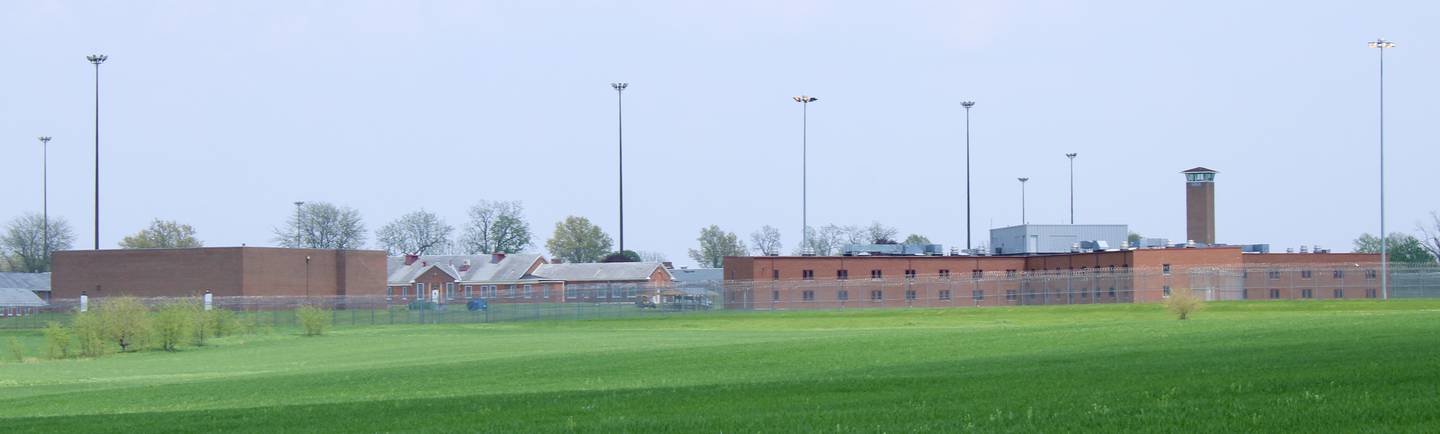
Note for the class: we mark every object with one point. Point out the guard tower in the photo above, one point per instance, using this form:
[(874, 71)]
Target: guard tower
[(1200, 205)]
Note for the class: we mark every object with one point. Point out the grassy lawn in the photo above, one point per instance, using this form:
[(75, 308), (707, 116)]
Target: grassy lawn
[(1333, 366)]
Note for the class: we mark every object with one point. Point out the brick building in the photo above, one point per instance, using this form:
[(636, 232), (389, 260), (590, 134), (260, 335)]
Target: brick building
[(225, 271), (1123, 276), (519, 278)]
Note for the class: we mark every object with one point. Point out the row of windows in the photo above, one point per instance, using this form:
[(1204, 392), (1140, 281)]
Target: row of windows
[(612, 292), (1306, 274), (1310, 293), (942, 273), (944, 294), (485, 291)]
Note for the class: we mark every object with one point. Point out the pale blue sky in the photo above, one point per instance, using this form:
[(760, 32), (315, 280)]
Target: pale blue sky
[(220, 114)]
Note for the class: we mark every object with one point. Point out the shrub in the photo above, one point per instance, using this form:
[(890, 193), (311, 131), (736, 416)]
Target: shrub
[(422, 305), (89, 334), (202, 322), (57, 341), (313, 319), (1184, 302), (16, 349), (172, 324), (125, 321), (224, 323)]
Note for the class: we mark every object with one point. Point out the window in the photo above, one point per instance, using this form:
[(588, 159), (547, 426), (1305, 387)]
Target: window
[(910, 295), (1339, 274), (875, 274), (1011, 295), (1112, 292), (510, 291), (807, 295), (1370, 293), (1370, 274), (842, 295), (1245, 274), (570, 293), (449, 290), (945, 274), (389, 292), (945, 294), (1339, 293), (1244, 294), (1304, 274), (1011, 273), (527, 291), (774, 274), (774, 295), (419, 291), (547, 291), (910, 274), (977, 274), (469, 291), (807, 274), (978, 294), (494, 291), (1165, 269), (1273, 274), (1274, 294), (842, 274), (1166, 291), (1306, 293), (877, 295)]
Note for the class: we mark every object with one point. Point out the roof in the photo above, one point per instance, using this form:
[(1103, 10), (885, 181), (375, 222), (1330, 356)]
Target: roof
[(598, 272), (1200, 170), (482, 267), (18, 297), (696, 275), (26, 281)]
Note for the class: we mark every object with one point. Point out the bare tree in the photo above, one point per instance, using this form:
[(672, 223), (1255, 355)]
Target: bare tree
[(23, 243), (877, 233), (822, 242), (1431, 235), (321, 225), (715, 245), (416, 233), (766, 240), (496, 226), (651, 256), (162, 234), (852, 234)]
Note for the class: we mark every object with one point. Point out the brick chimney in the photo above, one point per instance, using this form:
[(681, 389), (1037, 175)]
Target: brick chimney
[(465, 266), (410, 259), (496, 257)]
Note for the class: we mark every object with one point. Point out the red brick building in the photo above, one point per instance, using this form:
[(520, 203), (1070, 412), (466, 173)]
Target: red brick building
[(225, 271), (1141, 275)]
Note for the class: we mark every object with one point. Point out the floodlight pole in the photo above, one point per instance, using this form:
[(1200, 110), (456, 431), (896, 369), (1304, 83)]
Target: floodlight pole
[(804, 101), (1023, 220), (620, 120), (45, 197), (1382, 44), (967, 105), (97, 59), (1072, 186)]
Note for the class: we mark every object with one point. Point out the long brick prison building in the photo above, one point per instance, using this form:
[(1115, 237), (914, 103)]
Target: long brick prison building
[(1127, 276)]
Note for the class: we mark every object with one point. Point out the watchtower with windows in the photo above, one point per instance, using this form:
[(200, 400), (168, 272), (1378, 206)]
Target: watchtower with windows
[(1200, 205)]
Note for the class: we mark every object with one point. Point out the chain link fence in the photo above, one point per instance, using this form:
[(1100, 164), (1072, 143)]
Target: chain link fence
[(1011, 288)]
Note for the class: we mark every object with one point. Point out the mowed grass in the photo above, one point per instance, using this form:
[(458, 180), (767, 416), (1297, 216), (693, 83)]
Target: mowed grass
[(1333, 366)]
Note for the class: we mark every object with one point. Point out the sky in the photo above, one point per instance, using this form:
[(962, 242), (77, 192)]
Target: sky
[(221, 114)]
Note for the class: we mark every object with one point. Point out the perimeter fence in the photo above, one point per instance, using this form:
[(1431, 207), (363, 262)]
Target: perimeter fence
[(978, 289)]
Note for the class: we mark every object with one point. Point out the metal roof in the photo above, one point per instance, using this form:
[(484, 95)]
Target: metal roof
[(604, 271), (1200, 170), (695, 275), (18, 297), (511, 268), (26, 281)]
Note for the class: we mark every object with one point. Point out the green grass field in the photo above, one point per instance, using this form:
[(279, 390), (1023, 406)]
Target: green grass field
[(1335, 366)]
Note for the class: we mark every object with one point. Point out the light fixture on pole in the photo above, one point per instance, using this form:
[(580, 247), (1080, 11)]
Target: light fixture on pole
[(967, 105), (45, 197), (1382, 44), (620, 121), (298, 224), (97, 59), (1072, 186), (1023, 221), (804, 101)]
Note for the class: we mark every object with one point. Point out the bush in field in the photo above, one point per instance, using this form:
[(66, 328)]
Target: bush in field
[(313, 319), (89, 334), (57, 341), (172, 324), (125, 321), (202, 322), (1184, 302), (224, 323), (16, 349)]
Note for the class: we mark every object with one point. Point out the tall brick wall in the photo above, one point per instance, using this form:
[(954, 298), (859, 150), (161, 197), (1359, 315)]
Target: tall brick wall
[(225, 271)]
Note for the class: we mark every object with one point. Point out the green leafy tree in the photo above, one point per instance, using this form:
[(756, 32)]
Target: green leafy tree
[(57, 340), (125, 321), (715, 245), (1402, 248), (89, 333), (622, 256), (313, 320), (1133, 239), (496, 226), (162, 234), (22, 245), (577, 240), (321, 225), (916, 239), (173, 324)]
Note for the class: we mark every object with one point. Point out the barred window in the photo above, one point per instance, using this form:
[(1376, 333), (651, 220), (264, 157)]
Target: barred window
[(1274, 294), (910, 295), (877, 295), (808, 295), (1304, 274), (842, 274), (1339, 293), (945, 294), (875, 274), (807, 274), (1306, 293), (842, 295), (1011, 295), (910, 274), (945, 274), (978, 294)]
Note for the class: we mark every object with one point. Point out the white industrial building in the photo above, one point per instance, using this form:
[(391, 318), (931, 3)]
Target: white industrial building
[(1032, 239)]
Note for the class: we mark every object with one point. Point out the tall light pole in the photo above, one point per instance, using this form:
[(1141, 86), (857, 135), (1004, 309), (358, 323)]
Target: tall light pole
[(620, 120), (97, 59), (1072, 186), (967, 105), (45, 196), (298, 223), (804, 101), (1023, 220), (1382, 44)]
